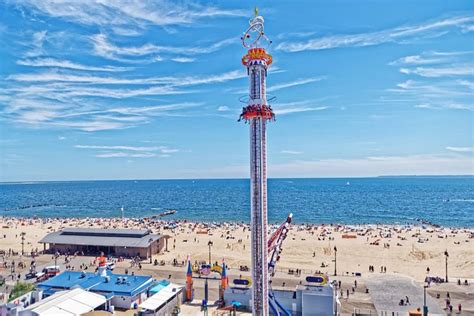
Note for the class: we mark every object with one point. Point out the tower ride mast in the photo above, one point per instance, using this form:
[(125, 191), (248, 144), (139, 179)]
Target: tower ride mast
[(257, 113)]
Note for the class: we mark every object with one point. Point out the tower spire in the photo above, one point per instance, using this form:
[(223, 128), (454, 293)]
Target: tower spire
[(257, 113)]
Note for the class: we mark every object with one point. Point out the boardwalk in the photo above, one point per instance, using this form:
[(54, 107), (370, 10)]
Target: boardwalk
[(387, 291)]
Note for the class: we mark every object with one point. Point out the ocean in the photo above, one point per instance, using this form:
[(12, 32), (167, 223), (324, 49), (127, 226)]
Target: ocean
[(447, 201)]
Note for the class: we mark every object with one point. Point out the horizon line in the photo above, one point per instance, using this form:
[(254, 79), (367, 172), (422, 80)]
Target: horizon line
[(246, 178)]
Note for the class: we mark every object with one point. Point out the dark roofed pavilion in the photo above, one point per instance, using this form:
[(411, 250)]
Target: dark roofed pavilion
[(117, 242)]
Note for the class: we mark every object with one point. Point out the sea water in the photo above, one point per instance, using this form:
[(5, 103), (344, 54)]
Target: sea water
[(445, 201)]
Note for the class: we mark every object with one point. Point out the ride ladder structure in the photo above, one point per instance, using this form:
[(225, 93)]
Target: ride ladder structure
[(274, 250), (257, 113)]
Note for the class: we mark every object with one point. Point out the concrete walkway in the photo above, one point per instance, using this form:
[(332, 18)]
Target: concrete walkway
[(387, 290)]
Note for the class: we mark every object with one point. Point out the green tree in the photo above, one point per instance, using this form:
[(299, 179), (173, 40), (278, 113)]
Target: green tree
[(21, 288)]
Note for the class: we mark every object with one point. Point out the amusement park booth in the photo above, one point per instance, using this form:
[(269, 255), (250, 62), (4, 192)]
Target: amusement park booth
[(120, 290), (306, 300)]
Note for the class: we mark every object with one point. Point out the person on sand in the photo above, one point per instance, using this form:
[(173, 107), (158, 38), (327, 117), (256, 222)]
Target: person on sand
[(407, 300)]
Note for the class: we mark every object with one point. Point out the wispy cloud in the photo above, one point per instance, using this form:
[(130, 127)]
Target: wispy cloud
[(135, 54), (131, 148), (53, 76), (466, 83), (36, 44), (297, 107), (429, 58), (135, 13), (121, 151), (127, 155), (51, 62), (446, 71), (291, 152), (397, 34), (376, 166), (451, 164), (64, 86), (435, 95), (91, 117), (460, 149), (183, 59), (293, 83), (435, 87), (223, 108)]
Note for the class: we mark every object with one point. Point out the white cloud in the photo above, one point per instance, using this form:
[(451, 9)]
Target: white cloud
[(131, 148), (293, 83), (126, 31), (379, 37), (51, 62), (435, 94), (36, 45), (460, 106), (453, 164), (92, 125), (445, 71), (291, 152), (429, 57), (423, 106), (52, 76), (376, 166), (466, 83), (417, 60), (223, 108), (183, 59), (91, 117), (297, 107), (127, 13), (122, 154), (460, 149), (120, 151), (135, 54)]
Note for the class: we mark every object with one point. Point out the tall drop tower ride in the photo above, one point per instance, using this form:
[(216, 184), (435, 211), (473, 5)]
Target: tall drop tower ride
[(257, 113)]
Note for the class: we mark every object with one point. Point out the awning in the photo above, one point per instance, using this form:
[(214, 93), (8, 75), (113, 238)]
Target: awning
[(159, 299), (73, 302)]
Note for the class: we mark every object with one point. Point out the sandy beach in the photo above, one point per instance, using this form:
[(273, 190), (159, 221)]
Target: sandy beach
[(405, 250), (408, 250)]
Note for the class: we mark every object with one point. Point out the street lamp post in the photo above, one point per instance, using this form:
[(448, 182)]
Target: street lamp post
[(56, 255), (425, 307), (335, 261), (23, 243), (210, 244), (446, 257)]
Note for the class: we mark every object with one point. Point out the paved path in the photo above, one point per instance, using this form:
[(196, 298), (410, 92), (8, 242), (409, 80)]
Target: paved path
[(387, 290)]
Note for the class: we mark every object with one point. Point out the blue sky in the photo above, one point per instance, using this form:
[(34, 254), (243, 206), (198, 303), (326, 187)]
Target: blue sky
[(150, 89)]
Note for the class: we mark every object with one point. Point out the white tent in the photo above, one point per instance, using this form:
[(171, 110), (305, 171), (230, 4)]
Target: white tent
[(73, 302), (159, 299)]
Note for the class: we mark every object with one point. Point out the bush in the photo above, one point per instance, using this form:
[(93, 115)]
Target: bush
[(21, 288)]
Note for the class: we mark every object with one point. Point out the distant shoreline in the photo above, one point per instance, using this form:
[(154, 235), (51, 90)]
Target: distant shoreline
[(413, 223), (243, 178)]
